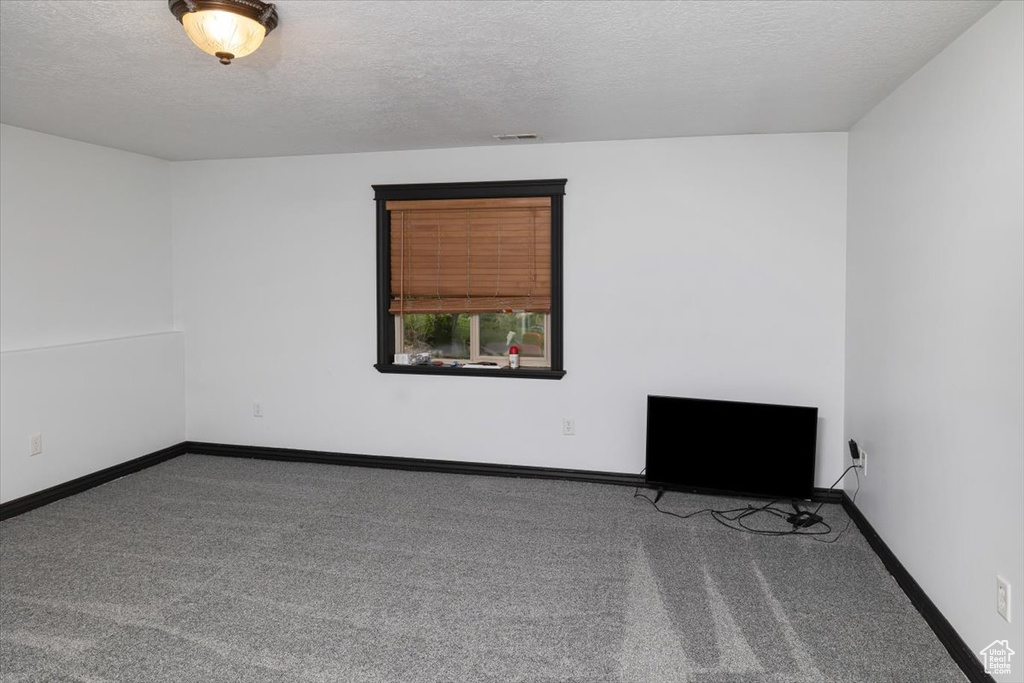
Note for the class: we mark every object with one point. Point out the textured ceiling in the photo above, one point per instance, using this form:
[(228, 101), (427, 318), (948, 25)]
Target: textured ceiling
[(362, 76)]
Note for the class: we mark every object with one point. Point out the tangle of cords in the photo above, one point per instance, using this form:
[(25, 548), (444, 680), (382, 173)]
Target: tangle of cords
[(734, 518)]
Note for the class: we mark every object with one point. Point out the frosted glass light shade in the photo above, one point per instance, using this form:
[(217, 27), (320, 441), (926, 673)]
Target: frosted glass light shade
[(223, 34)]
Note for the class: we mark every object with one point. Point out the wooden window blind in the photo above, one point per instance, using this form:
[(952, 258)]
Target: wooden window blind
[(470, 255)]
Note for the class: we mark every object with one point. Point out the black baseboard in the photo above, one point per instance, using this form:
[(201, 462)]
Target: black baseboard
[(22, 505), (412, 464), (828, 495), (54, 493), (947, 635), (34, 500), (447, 466)]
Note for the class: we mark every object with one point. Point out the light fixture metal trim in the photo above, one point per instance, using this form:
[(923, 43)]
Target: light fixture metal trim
[(506, 137), (253, 21)]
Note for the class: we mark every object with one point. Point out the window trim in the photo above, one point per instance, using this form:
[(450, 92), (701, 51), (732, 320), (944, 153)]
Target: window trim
[(498, 189)]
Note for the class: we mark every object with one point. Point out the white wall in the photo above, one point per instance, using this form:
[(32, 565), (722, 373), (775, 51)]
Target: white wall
[(721, 262), (85, 283), (96, 404), (86, 242), (935, 325)]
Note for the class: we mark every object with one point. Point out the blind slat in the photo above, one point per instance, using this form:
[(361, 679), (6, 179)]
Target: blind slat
[(480, 304)]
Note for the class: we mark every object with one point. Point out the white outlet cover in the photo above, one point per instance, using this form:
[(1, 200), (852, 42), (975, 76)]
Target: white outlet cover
[(1003, 598)]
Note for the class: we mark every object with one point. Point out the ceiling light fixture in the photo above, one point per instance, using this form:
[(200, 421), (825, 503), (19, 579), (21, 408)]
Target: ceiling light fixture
[(226, 29)]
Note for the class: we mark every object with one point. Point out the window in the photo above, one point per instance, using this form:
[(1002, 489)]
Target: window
[(451, 337), (465, 270)]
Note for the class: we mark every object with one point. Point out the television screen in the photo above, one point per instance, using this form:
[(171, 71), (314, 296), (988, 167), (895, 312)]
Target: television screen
[(754, 449)]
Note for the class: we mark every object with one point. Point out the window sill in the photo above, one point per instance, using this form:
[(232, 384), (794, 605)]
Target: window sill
[(519, 373)]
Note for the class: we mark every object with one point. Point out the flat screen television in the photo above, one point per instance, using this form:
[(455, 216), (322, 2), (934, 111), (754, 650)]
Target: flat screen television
[(755, 449)]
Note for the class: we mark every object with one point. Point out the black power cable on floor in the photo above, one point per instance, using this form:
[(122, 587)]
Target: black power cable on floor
[(734, 518), (852, 500)]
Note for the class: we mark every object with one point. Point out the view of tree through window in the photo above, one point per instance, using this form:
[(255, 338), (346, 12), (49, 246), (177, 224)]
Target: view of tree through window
[(441, 334), (445, 335), (498, 331)]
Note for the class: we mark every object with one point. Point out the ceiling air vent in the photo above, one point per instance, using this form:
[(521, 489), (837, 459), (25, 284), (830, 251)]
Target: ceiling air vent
[(516, 136)]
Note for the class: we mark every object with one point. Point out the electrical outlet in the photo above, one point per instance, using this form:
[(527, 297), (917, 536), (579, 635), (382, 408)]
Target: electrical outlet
[(35, 444), (257, 409), (1003, 597), (864, 462), (568, 426)]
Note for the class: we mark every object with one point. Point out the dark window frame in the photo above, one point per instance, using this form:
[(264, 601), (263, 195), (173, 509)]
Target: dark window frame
[(498, 189)]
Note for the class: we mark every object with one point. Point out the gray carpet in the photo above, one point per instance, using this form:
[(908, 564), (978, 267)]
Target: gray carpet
[(216, 569)]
